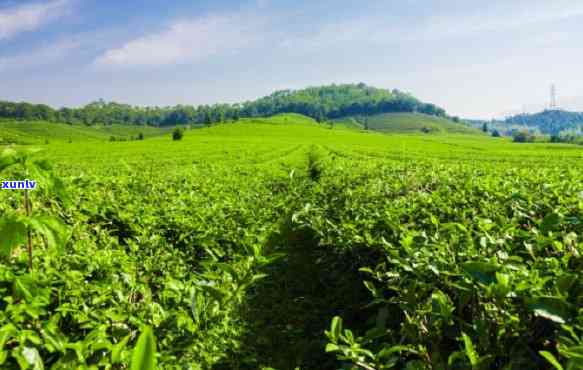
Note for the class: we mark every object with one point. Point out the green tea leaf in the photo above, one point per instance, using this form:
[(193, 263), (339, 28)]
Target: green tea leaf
[(470, 350), (551, 222), (12, 232), (52, 228), (33, 358), (144, 355), (551, 359), (551, 308), (484, 272), (8, 157), (117, 349), (336, 328)]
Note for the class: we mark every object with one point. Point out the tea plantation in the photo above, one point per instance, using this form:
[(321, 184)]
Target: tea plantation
[(278, 243)]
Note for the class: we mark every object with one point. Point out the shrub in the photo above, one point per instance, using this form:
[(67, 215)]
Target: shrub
[(177, 134), (522, 137)]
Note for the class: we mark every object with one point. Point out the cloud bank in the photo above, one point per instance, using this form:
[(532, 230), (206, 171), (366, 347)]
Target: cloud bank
[(30, 17), (186, 41)]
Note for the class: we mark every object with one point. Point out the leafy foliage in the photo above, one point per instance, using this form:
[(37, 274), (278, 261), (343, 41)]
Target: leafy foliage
[(177, 134), (522, 137), (269, 245)]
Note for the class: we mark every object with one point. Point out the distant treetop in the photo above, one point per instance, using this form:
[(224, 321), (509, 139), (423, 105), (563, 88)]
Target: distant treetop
[(551, 122), (320, 103)]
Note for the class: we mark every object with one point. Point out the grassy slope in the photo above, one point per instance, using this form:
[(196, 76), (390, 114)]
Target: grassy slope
[(236, 141), (348, 123), (405, 122), (282, 119), (37, 132), (275, 134)]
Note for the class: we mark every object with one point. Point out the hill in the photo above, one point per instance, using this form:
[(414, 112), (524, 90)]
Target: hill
[(338, 101), (405, 122), (39, 132), (36, 132), (282, 119), (550, 122), (352, 123), (320, 103)]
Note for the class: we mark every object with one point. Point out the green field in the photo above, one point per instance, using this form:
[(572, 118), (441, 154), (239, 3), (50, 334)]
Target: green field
[(280, 243), (38, 132), (405, 123)]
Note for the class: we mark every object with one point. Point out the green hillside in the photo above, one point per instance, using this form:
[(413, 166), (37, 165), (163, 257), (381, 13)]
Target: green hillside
[(283, 119), (319, 102), (39, 132), (35, 132), (551, 122), (348, 123), (405, 123)]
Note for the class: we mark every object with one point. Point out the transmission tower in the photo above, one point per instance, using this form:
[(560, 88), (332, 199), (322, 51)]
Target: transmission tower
[(553, 104)]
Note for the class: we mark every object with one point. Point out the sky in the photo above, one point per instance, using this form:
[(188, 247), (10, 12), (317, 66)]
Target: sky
[(476, 59)]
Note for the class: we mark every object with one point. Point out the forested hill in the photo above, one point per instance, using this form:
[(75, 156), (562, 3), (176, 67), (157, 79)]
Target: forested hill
[(320, 103), (551, 122)]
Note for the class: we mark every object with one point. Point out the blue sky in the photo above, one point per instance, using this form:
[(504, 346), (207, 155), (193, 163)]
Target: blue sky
[(474, 58)]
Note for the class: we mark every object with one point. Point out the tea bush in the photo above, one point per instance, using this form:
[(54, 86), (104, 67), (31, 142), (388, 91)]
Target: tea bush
[(257, 245)]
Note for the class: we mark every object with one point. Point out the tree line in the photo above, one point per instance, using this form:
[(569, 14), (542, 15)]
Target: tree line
[(551, 122), (321, 103)]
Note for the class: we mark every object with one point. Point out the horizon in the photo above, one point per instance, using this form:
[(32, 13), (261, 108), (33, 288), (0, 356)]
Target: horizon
[(72, 52), (534, 110)]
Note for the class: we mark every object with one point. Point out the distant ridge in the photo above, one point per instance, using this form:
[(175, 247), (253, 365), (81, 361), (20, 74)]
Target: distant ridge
[(321, 103), (551, 122)]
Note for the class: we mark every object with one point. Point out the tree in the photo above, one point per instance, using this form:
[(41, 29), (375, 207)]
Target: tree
[(495, 133), (140, 136), (177, 134), (207, 118), (485, 127), (522, 137), (321, 103)]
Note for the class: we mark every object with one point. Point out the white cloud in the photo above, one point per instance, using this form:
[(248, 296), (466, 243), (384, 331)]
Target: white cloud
[(501, 16), (186, 41), (41, 56), (384, 28), (30, 17)]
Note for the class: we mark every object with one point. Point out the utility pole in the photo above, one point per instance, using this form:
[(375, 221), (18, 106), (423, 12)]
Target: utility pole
[(553, 105)]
